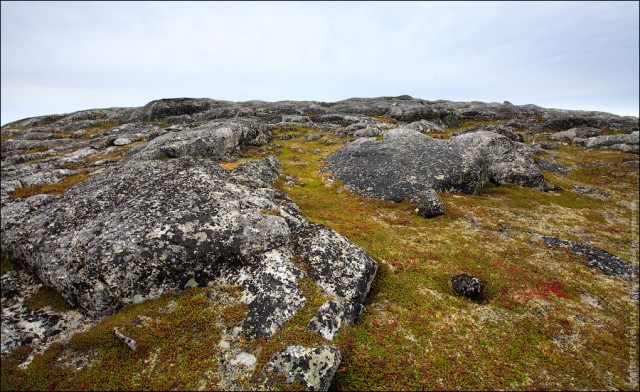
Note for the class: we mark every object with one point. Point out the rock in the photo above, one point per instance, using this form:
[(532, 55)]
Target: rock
[(426, 126), (338, 267), (163, 108), (331, 315), (548, 146), (122, 141), (243, 359), (499, 129), (573, 133), (313, 137), (430, 204), (40, 327), (76, 155), (507, 161), (144, 227), (368, 131), (406, 165), (409, 165), (596, 258), (612, 140), (125, 339), (590, 191), (314, 367), (553, 167), (467, 286), (219, 140), (288, 118)]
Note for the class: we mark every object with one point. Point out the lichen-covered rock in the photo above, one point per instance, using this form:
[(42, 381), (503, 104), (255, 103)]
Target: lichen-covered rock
[(573, 133), (620, 141), (467, 286), (144, 227), (315, 367), (163, 108), (331, 315), (434, 125), (506, 162), (412, 166), (216, 139), (40, 327), (338, 267), (503, 130)]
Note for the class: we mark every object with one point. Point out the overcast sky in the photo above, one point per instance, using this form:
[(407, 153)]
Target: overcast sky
[(60, 57)]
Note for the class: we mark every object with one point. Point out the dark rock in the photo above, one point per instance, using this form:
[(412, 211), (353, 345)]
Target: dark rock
[(314, 367), (409, 165), (596, 258), (164, 108), (548, 146), (467, 286), (406, 165), (590, 191), (553, 167)]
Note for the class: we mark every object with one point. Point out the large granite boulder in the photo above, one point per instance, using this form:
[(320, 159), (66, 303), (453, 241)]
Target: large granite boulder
[(144, 227), (412, 166)]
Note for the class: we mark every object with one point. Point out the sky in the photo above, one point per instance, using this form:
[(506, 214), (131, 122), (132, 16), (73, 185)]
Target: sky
[(61, 57)]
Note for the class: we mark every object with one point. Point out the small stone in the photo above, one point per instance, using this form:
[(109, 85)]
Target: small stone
[(122, 141), (223, 344), (127, 340), (243, 359), (466, 285)]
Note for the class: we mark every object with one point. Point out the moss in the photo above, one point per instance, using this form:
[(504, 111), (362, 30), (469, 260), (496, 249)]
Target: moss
[(100, 128), (160, 123), (385, 119), (5, 262), (229, 166), (35, 150), (47, 297), (235, 314), (57, 188), (271, 212), (116, 154)]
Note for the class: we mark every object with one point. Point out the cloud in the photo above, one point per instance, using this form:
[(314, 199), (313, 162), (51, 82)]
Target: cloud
[(65, 56)]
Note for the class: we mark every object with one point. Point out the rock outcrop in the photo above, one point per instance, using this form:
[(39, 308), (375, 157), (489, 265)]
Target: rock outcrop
[(412, 166), (116, 206)]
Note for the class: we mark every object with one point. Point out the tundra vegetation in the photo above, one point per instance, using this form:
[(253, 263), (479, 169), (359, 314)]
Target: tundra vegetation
[(545, 321)]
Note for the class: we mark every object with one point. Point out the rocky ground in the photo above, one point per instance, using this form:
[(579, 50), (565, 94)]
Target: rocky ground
[(203, 244)]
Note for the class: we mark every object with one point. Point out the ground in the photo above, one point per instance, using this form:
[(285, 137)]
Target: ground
[(546, 321)]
